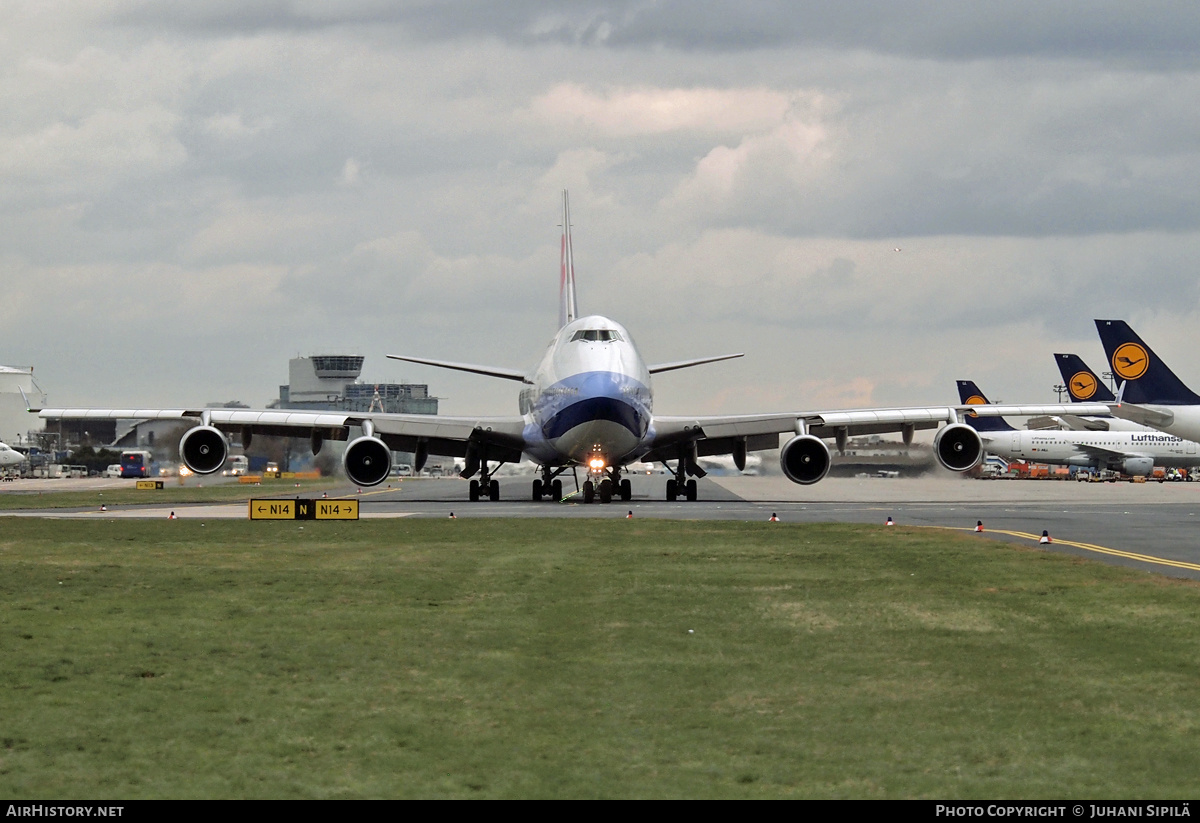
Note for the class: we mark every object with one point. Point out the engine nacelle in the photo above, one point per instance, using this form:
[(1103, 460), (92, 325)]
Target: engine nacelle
[(958, 447), (367, 461), (1137, 466), (203, 449), (804, 459)]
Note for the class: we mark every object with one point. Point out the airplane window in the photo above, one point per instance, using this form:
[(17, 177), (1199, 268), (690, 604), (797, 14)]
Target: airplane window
[(597, 335)]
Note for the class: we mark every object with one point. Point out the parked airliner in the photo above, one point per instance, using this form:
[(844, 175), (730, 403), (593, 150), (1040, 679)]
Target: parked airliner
[(1135, 453), (10, 456), (1085, 386), (1149, 393), (587, 404)]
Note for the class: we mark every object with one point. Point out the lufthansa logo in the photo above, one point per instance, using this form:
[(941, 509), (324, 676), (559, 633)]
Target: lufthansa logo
[(1130, 361), (975, 400), (1082, 385)]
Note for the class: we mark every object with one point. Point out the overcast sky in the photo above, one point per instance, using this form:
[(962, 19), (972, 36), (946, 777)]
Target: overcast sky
[(869, 199)]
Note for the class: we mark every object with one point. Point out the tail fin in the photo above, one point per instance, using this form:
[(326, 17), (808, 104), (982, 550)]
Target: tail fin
[(1147, 378), (567, 311), (970, 395), (1083, 384)]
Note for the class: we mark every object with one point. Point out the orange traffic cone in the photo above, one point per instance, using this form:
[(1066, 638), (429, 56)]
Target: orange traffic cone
[(979, 526), (629, 516), (171, 516), (452, 517), (774, 518), (1045, 536), (890, 522), (103, 507)]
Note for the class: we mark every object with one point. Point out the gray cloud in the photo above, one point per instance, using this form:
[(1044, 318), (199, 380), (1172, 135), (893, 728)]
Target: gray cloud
[(190, 195), (1159, 32)]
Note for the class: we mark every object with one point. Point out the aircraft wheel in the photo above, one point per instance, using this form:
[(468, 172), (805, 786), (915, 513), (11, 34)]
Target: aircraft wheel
[(671, 490), (626, 490), (556, 491), (589, 492), (606, 489), (537, 489), (474, 493), (494, 491), (691, 490)]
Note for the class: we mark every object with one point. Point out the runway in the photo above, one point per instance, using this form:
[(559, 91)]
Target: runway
[(1148, 526)]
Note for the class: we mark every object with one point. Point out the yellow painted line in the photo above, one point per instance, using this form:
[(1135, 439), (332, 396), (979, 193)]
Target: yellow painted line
[(1091, 547)]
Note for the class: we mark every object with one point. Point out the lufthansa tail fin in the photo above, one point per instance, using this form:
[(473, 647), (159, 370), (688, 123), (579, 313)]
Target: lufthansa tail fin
[(1146, 378), (970, 395), (567, 310), (1083, 384)]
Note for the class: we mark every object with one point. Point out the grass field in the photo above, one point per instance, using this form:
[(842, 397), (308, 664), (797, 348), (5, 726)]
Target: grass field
[(170, 493), (541, 658)]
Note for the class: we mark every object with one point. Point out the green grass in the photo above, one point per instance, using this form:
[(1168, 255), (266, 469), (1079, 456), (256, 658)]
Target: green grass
[(171, 492), (527, 658)]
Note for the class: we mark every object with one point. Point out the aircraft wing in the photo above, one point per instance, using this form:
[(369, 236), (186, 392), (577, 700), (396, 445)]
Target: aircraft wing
[(437, 434), (1146, 415), (720, 434), (1103, 453)]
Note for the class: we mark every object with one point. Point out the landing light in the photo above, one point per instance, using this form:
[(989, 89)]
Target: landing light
[(596, 463)]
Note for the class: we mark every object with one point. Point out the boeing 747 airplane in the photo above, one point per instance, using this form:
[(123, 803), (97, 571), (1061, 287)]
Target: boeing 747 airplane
[(587, 404)]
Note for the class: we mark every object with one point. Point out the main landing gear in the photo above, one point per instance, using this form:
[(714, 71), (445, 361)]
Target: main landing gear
[(680, 485), (485, 486), (548, 485)]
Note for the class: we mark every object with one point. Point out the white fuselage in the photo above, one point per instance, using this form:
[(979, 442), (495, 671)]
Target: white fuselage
[(590, 398), (1185, 421), (10, 456), (1071, 448)]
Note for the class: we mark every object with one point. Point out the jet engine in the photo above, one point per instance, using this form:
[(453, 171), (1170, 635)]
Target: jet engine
[(367, 461), (804, 459), (958, 447), (203, 449), (1137, 466)]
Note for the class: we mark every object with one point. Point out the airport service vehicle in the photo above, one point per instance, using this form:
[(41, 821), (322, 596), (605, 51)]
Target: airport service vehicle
[(236, 466), (114, 470), (587, 404), (135, 463), (1135, 453)]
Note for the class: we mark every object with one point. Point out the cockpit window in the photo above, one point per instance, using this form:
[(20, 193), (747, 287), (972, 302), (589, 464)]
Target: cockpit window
[(598, 335)]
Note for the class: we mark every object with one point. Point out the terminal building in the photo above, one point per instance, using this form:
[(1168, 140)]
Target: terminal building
[(329, 382)]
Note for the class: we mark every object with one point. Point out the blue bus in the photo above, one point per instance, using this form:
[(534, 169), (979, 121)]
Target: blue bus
[(135, 463)]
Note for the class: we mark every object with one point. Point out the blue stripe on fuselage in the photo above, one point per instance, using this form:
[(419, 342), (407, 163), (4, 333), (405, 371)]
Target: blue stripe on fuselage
[(589, 396)]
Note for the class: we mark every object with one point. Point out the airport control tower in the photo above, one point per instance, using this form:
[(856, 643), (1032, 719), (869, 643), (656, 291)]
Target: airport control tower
[(329, 382)]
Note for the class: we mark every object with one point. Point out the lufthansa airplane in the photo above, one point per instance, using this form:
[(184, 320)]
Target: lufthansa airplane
[(1150, 393), (1129, 452), (1084, 386), (587, 404)]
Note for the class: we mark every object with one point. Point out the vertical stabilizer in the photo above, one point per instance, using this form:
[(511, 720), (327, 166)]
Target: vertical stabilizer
[(970, 395), (566, 295), (1083, 384), (1146, 377)]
